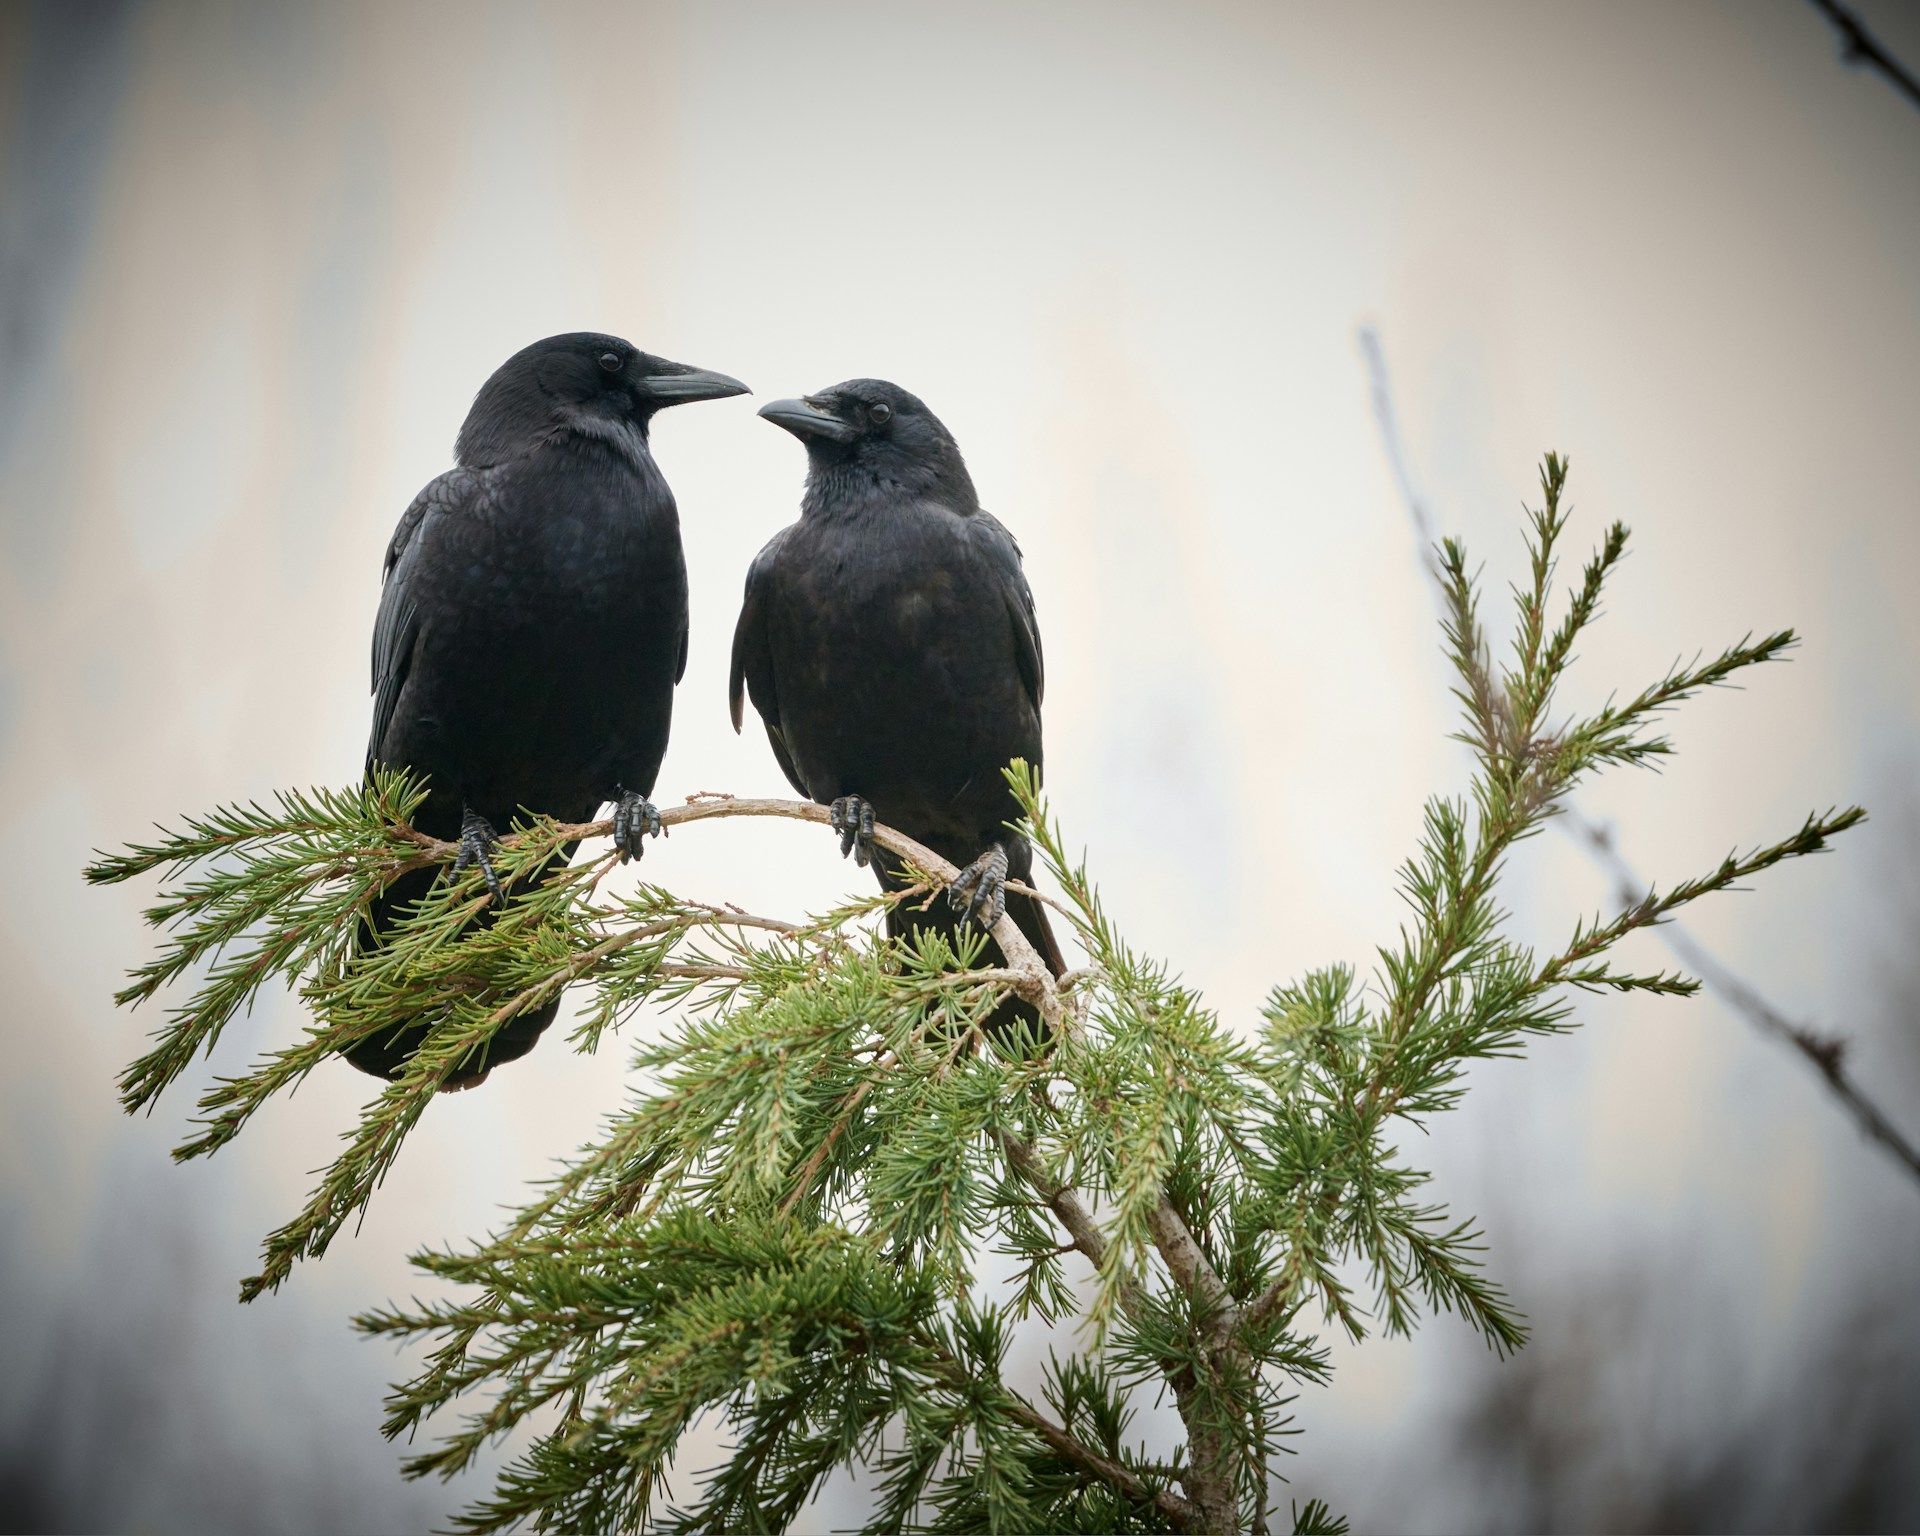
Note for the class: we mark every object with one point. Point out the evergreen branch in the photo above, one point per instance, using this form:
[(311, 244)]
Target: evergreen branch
[(1315, 1519), (1453, 990), (1181, 1513), (1026, 974), (1824, 1053), (307, 867), (1066, 1204), (1650, 908), (781, 1224), (1184, 1257), (993, 979)]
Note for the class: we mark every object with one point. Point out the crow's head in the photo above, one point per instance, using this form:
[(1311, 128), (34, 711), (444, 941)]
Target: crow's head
[(876, 433), (583, 382)]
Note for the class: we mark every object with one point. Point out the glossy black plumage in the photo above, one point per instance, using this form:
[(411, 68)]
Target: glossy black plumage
[(533, 622), (889, 642)]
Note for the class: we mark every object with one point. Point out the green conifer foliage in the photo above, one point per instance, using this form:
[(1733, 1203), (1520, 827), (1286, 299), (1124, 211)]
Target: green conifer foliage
[(782, 1225)]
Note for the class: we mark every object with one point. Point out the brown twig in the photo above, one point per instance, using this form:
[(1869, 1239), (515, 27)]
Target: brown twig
[(1180, 1513), (1070, 1210), (1825, 1053), (804, 1180)]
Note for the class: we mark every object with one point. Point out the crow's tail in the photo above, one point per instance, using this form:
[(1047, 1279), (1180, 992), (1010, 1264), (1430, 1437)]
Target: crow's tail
[(909, 918), (386, 1055)]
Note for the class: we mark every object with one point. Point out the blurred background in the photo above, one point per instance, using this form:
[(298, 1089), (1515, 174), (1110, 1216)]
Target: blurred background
[(255, 260)]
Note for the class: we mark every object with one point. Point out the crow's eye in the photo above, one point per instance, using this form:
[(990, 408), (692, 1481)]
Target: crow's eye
[(610, 362), (880, 413)]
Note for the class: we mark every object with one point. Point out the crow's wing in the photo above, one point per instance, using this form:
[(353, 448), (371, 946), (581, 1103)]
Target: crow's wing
[(752, 675), (1002, 554), (396, 627)]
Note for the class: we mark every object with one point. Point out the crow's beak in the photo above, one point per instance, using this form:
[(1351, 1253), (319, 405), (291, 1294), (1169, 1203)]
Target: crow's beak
[(675, 384), (804, 419)]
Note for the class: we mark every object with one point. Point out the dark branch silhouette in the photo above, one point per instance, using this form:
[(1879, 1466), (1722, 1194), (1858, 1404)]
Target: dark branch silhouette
[(1825, 1053), (1828, 1053), (1858, 46)]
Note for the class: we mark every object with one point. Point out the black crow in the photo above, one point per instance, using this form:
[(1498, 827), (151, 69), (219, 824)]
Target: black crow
[(889, 642), (533, 625)]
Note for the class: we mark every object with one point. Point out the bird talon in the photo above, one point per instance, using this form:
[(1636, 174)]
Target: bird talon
[(979, 892), (477, 842), (635, 819), (852, 818)]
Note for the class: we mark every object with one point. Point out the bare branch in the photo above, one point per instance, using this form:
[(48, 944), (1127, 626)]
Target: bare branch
[(1182, 1514), (1826, 1053), (1859, 46)]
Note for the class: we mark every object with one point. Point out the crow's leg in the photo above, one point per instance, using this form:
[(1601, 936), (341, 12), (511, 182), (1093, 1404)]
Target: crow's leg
[(852, 818), (979, 892), (477, 841), (634, 821)]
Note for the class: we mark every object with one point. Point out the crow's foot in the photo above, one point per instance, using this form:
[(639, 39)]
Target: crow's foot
[(979, 891), (634, 821), (477, 842), (852, 818)]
